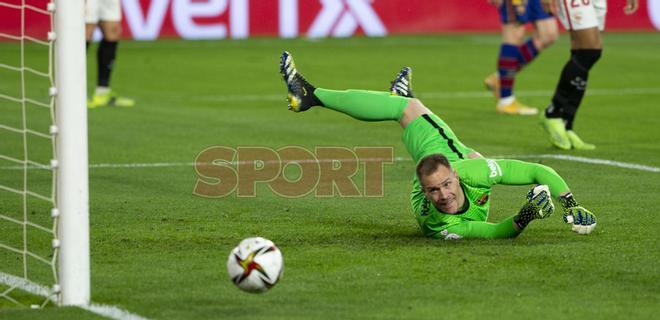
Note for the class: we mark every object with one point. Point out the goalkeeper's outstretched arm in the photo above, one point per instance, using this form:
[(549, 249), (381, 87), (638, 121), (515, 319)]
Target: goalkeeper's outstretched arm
[(516, 172), (538, 205)]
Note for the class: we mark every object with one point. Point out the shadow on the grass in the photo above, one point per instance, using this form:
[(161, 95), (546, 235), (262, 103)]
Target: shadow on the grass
[(369, 234)]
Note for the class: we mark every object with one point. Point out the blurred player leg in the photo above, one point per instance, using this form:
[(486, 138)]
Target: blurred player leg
[(91, 19), (515, 54), (109, 20), (586, 48)]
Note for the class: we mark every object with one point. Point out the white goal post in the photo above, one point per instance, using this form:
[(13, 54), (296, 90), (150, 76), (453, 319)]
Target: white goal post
[(44, 207), (72, 172)]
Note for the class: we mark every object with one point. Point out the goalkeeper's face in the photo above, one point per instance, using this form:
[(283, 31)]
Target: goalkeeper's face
[(443, 189)]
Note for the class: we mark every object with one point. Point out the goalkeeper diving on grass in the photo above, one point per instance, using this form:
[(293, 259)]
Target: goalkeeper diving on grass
[(452, 187)]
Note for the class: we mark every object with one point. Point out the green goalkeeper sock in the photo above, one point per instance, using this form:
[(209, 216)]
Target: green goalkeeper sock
[(364, 105)]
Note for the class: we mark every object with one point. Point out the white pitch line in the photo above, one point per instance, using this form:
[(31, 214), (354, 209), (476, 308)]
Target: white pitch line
[(25, 285), (446, 95), (605, 162), (112, 312), (541, 93), (108, 311)]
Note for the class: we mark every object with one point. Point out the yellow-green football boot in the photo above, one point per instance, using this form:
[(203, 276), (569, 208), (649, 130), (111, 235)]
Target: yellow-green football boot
[(577, 143), (109, 99), (556, 130), (301, 93)]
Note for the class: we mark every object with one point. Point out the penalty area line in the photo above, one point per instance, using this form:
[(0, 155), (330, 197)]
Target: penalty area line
[(108, 311), (604, 162), (596, 161), (446, 94), (564, 157)]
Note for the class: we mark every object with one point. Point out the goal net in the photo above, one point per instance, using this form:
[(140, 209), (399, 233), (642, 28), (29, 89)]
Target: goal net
[(44, 241)]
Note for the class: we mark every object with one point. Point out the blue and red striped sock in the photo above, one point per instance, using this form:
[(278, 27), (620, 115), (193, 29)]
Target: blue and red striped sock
[(528, 52), (507, 66), (512, 59)]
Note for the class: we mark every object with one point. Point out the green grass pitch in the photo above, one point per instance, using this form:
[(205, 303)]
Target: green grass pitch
[(159, 251)]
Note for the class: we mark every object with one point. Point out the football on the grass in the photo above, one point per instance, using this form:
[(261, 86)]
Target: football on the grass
[(255, 265)]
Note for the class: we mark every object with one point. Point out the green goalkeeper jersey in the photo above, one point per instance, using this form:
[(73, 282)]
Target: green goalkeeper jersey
[(477, 177)]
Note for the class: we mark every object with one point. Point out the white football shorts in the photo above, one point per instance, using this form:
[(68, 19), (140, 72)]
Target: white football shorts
[(582, 14), (102, 10)]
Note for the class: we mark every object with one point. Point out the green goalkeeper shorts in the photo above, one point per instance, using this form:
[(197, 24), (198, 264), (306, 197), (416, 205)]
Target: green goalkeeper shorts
[(428, 135)]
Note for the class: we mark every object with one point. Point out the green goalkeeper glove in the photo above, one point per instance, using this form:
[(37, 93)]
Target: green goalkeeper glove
[(583, 220), (538, 206)]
